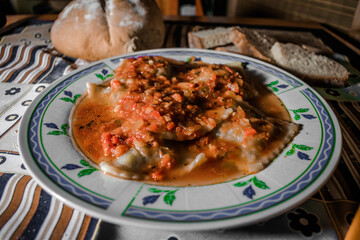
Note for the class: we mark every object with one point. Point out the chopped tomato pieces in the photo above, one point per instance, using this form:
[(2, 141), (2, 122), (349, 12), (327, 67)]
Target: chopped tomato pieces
[(167, 161), (170, 125), (114, 84), (115, 140), (158, 176), (157, 100), (106, 143), (156, 114), (120, 150), (249, 132), (177, 97)]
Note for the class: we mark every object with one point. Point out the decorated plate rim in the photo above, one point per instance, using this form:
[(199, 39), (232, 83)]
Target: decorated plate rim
[(137, 216)]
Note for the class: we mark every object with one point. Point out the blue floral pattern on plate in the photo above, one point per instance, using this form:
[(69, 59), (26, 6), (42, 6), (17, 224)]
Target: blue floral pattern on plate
[(140, 203)]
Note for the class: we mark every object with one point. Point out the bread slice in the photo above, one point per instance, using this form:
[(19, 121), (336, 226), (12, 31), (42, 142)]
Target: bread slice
[(252, 43), (209, 38), (316, 69), (229, 48), (306, 40)]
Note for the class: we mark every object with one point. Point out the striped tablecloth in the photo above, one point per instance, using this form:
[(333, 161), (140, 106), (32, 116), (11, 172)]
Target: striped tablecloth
[(28, 65), (26, 210)]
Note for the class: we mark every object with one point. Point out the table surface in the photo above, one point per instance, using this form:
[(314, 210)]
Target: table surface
[(339, 198)]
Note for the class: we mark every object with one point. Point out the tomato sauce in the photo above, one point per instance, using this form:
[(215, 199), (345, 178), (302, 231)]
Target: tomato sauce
[(169, 111)]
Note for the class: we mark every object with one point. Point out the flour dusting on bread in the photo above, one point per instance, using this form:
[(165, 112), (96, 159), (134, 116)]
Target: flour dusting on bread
[(98, 29), (91, 6)]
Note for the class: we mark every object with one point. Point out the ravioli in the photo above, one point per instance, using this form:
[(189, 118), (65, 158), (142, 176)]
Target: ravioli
[(172, 122), (258, 139)]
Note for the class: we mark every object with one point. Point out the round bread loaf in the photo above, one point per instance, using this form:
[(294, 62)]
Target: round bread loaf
[(98, 29)]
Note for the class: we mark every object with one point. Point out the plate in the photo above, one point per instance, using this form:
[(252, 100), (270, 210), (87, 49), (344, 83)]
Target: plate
[(297, 173)]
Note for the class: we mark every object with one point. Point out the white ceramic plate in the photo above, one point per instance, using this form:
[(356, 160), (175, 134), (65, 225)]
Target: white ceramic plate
[(297, 173)]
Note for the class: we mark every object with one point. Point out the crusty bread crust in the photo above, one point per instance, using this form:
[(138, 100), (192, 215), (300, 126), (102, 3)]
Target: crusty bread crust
[(229, 48), (98, 29), (252, 43)]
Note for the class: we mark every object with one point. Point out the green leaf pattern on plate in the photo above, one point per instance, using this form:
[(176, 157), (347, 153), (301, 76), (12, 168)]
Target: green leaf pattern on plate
[(249, 191), (297, 146), (258, 183), (63, 130), (83, 164), (168, 198), (69, 97), (275, 86), (301, 112), (90, 169), (301, 155), (72, 100), (103, 75)]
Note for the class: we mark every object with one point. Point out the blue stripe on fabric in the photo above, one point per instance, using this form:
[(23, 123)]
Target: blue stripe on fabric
[(38, 219), (29, 64), (91, 229), (4, 179), (47, 70), (13, 53), (54, 74)]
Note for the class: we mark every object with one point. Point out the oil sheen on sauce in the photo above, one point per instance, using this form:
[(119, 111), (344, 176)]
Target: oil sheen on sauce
[(93, 116)]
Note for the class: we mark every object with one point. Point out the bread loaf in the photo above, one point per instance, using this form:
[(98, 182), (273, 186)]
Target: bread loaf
[(317, 69), (98, 29), (209, 38), (252, 43)]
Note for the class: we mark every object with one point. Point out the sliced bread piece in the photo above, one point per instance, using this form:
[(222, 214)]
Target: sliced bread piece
[(306, 40), (252, 43), (228, 48), (209, 38), (316, 69)]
